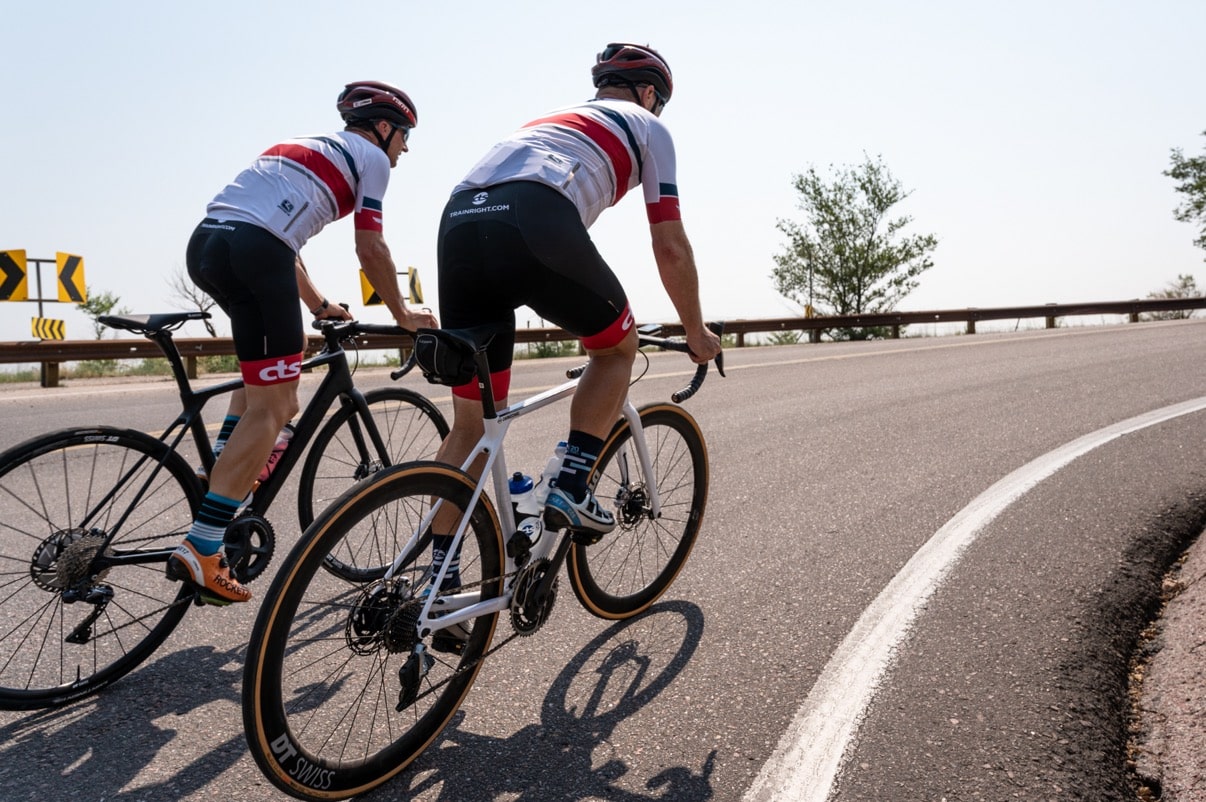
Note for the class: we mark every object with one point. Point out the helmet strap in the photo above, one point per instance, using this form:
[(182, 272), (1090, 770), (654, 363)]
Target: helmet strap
[(385, 142)]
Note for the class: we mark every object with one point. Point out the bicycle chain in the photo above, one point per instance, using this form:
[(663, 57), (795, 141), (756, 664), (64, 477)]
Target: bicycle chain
[(471, 666)]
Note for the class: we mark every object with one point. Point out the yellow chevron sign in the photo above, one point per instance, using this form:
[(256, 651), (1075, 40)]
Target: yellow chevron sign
[(371, 298), (14, 280), (416, 289), (47, 329), (70, 270)]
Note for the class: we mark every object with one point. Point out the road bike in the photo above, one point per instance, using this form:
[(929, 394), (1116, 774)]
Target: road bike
[(89, 515), (349, 678)]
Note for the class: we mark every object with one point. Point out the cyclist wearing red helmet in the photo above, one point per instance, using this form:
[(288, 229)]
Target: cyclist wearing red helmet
[(245, 255), (514, 234)]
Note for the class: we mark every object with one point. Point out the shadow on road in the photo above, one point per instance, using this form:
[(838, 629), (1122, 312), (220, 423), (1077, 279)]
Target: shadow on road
[(96, 748), (568, 755), (118, 746)]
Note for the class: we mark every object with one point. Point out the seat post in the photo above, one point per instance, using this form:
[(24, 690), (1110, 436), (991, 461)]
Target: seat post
[(489, 409)]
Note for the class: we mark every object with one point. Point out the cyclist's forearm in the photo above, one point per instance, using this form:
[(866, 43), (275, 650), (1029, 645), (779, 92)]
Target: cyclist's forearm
[(382, 273), (311, 296), (676, 266)]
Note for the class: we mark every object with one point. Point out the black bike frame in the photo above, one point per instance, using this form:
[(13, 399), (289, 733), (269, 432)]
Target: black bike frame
[(336, 385)]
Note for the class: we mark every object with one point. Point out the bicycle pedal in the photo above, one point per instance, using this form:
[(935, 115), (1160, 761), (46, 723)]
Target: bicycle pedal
[(203, 599), (585, 537)]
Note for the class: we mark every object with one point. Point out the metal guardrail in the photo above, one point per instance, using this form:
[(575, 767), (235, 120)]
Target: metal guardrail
[(52, 353)]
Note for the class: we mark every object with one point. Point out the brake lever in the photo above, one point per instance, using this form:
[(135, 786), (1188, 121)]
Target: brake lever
[(717, 328)]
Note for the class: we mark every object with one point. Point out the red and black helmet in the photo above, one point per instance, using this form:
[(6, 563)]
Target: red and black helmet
[(366, 101), (633, 64)]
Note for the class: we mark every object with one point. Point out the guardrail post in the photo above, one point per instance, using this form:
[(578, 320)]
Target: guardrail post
[(895, 331), (1050, 321), (50, 374), (190, 366), (971, 326)]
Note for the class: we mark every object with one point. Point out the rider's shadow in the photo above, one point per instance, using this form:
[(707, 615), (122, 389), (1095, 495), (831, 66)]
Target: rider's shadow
[(98, 747), (617, 675)]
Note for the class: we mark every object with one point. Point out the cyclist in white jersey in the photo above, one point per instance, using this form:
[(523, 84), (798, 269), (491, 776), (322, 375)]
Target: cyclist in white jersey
[(244, 254), (514, 234)]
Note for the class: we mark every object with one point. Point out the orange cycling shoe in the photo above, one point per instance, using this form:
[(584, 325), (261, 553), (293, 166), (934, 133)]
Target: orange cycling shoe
[(210, 574)]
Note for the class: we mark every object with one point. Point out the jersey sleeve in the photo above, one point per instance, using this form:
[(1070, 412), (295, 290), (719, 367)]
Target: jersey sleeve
[(658, 179), (373, 182)]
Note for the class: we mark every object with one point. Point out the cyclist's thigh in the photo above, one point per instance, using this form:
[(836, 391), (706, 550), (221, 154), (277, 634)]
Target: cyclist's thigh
[(569, 283), (251, 274)]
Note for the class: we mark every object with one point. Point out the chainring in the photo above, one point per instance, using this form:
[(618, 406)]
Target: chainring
[(249, 544), (528, 614)]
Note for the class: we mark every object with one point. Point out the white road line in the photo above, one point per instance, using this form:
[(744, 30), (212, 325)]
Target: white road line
[(805, 764)]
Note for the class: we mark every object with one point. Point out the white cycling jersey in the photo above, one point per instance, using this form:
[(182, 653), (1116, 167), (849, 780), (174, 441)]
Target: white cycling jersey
[(297, 187), (593, 153)]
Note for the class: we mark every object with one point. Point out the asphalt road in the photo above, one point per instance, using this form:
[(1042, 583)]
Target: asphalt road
[(837, 469)]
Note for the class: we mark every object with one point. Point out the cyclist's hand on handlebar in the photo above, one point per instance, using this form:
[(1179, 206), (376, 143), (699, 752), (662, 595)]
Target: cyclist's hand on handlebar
[(334, 312), (704, 344), (415, 319)]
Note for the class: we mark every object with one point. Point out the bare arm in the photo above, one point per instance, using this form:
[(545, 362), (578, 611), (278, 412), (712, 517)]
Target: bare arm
[(313, 299), (676, 266), (379, 267)]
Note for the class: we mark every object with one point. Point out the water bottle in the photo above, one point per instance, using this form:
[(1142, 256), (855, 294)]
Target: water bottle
[(527, 510), (282, 443), (551, 469), (523, 500)]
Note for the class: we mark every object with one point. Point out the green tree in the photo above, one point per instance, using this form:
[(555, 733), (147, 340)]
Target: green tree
[(1184, 287), (100, 303), (1190, 175), (849, 257)]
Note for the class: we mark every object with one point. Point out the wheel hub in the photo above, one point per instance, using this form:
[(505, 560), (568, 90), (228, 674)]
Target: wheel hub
[(64, 559), (633, 505), (385, 616)]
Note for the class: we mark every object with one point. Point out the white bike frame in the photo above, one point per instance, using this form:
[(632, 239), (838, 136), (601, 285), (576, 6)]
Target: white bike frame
[(457, 607)]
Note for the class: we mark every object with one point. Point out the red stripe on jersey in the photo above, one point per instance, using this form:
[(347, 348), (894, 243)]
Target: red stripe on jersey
[(665, 209), (602, 136), (322, 168), (367, 220)]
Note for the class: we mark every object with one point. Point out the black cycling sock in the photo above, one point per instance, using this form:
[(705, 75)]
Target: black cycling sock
[(440, 546), (581, 453)]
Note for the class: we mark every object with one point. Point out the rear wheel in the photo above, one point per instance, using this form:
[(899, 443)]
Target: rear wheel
[(78, 610), (332, 657), (629, 569), (342, 453)]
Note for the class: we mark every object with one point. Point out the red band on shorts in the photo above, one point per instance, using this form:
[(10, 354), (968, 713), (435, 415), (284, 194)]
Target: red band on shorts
[(500, 385), (611, 336), (273, 370)]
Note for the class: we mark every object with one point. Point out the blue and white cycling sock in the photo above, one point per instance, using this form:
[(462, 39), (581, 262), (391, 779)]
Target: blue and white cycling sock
[(440, 544), (228, 425), (581, 454), (207, 530)]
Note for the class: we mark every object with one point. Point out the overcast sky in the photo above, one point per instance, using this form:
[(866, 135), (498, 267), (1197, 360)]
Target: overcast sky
[(1033, 135)]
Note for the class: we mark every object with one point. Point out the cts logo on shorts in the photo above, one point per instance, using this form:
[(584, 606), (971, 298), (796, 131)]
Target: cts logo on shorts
[(281, 371), (481, 198), (273, 370)]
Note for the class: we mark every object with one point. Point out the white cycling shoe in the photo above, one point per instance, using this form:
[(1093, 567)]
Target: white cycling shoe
[(585, 517)]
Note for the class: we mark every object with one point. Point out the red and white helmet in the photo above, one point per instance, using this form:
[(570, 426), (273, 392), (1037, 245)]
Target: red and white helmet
[(366, 101), (621, 62)]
